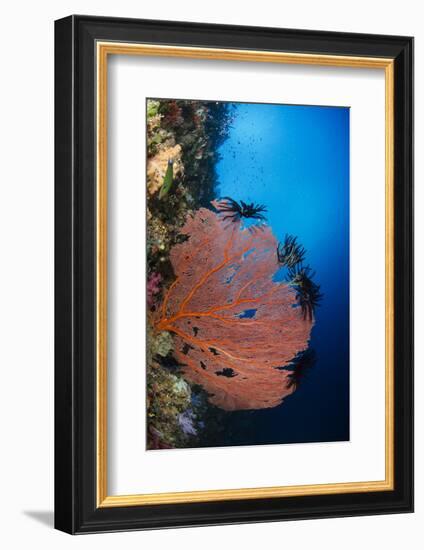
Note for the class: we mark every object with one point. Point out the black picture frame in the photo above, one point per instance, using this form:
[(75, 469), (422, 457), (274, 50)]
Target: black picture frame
[(76, 508)]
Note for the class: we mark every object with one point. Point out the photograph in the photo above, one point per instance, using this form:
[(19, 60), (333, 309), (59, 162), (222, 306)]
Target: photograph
[(247, 273)]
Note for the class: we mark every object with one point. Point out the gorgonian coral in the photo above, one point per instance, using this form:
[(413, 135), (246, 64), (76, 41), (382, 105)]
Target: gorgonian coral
[(234, 325)]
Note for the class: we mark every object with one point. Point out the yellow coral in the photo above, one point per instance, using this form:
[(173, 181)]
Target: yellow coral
[(157, 165)]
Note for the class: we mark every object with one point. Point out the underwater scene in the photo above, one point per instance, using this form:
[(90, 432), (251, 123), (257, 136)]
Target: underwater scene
[(247, 273)]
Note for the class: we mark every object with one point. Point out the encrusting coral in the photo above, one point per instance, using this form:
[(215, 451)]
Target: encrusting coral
[(168, 396), (234, 325)]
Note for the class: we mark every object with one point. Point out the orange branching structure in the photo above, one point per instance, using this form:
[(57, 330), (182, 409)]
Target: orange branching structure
[(233, 324)]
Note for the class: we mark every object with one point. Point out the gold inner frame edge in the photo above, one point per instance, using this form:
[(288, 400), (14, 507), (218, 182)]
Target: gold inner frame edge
[(103, 49)]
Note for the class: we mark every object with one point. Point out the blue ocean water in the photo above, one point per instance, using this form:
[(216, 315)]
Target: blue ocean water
[(294, 159)]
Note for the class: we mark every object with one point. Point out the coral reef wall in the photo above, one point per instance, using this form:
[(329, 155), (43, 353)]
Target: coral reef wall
[(182, 142)]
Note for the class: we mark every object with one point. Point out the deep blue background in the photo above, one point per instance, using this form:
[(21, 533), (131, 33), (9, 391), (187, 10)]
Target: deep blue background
[(295, 160)]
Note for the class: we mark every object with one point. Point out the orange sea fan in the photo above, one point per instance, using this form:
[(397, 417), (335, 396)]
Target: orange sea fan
[(233, 324)]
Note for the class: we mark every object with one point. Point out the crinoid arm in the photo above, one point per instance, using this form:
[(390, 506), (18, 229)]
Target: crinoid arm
[(258, 216), (260, 208), (290, 252), (232, 217)]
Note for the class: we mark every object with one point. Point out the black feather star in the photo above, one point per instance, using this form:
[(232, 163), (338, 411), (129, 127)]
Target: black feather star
[(300, 366), (308, 293), (234, 211), (290, 252)]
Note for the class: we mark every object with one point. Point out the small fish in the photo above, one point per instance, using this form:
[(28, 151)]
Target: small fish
[(167, 180)]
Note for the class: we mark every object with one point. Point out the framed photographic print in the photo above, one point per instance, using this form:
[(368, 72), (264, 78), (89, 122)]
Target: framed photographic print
[(233, 274)]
